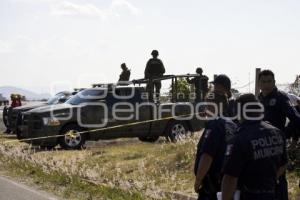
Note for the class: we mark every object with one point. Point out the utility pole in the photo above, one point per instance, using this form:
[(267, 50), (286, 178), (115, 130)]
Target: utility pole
[(249, 82), (257, 71)]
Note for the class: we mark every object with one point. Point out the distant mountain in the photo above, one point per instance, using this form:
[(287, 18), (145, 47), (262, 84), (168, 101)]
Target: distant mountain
[(6, 91)]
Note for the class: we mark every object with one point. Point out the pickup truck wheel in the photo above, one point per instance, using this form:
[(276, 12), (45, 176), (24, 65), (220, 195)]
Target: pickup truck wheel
[(149, 139), (176, 130), (72, 139)]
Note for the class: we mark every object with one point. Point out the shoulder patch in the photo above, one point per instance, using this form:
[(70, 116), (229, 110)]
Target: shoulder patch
[(272, 102)]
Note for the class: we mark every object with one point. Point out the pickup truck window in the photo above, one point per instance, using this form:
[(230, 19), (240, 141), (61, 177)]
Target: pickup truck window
[(131, 94), (55, 99), (79, 98)]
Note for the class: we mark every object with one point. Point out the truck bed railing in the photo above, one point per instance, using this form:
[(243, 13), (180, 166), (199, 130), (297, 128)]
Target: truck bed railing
[(173, 78)]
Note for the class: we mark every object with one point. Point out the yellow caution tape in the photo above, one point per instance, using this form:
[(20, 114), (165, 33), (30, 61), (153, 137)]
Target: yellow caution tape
[(100, 129)]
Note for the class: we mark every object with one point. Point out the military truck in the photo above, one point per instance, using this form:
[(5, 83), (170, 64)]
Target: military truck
[(108, 112)]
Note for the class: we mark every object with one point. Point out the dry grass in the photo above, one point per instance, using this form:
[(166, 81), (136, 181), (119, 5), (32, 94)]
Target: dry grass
[(68, 187), (127, 164)]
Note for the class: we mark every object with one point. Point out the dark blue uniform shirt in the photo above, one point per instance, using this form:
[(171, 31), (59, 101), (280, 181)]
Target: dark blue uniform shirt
[(231, 109), (277, 108), (213, 142), (256, 153)]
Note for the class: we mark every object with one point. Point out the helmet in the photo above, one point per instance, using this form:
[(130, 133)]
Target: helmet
[(123, 65), (199, 70), (154, 53)]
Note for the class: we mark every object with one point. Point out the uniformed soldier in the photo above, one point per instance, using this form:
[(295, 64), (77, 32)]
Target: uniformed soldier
[(256, 157), (201, 85), (125, 75), (277, 108), (154, 69), (211, 149)]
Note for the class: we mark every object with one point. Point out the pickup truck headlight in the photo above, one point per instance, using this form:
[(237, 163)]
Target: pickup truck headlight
[(50, 121)]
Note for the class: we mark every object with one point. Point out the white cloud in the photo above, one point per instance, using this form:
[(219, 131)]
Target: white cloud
[(116, 8), (71, 9)]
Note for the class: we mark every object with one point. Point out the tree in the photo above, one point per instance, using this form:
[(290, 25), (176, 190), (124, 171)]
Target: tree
[(183, 90)]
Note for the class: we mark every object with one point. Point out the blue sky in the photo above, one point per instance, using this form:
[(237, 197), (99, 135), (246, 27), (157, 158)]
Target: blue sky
[(74, 43)]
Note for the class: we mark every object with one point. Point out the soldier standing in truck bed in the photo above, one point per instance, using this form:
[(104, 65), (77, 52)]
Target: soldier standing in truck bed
[(125, 75), (201, 85), (154, 69)]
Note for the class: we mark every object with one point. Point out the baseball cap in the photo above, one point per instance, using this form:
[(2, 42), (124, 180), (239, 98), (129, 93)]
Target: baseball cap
[(223, 80)]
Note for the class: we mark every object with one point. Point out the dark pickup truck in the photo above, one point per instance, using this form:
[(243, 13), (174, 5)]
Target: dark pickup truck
[(107, 113), (12, 116)]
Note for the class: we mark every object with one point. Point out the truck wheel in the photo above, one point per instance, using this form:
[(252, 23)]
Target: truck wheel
[(72, 139), (149, 139), (176, 130), (19, 136)]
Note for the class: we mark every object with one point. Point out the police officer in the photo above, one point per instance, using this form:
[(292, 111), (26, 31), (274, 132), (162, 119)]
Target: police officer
[(256, 157), (277, 108), (211, 148), (125, 74), (201, 85), (222, 84), (154, 69)]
